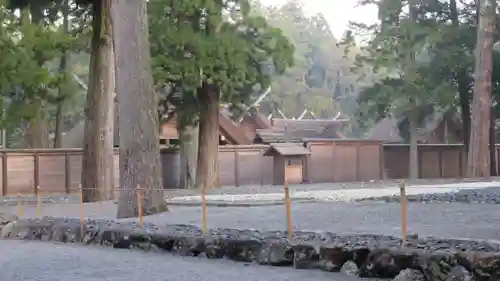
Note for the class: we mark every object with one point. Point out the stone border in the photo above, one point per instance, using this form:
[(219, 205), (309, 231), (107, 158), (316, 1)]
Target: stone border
[(429, 259)]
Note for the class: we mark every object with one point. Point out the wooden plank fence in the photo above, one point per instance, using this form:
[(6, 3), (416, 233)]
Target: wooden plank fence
[(59, 170)]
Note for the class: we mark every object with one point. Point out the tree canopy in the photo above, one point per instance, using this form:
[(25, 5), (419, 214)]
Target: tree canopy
[(30, 45), (216, 43), (441, 50), (320, 80)]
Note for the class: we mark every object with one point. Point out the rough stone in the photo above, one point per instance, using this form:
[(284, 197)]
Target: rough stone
[(459, 273), (350, 268), (369, 255), (276, 252), (305, 256), (242, 250), (332, 258), (484, 265), (380, 263), (6, 218), (214, 248), (410, 275)]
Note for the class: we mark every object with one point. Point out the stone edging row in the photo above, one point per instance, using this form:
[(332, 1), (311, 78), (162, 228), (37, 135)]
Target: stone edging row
[(378, 256)]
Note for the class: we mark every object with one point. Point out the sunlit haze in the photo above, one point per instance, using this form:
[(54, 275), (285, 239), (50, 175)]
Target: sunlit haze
[(338, 13)]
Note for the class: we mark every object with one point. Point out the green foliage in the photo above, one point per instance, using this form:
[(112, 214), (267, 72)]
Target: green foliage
[(217, 43), (320, 79), (26, 52), (434, 48)]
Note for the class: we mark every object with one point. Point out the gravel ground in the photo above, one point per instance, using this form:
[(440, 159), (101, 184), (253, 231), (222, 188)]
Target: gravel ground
[(490, 195), (446, 220), (252, 189), (22, 260), (248, 195), (30, 261)]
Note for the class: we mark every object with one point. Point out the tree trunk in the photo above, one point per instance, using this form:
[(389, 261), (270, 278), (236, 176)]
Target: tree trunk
[(138, 115), (464, 99), (37, 135), (478, 158), (463, 85), (413, 172), (188, 155), (59, 114), (97, 163), (111, 118), (207, 170), (492, 147), (413, 112), (63, 68)]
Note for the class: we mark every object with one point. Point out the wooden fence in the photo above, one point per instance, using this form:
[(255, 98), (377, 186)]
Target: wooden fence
[(434, 160), (53, 170), (59, 170), (238, 165), (344, 161)]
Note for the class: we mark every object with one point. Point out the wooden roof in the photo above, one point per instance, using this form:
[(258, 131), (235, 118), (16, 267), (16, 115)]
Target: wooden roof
[(287, 149), (292, 133), (299, 124), (230, 129), (275, 135)]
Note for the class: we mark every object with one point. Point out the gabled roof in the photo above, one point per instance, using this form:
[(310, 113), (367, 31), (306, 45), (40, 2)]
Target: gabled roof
[(275, 135), (230, 129), (308, 123), (287, 149), (289, 130), (387, 129)]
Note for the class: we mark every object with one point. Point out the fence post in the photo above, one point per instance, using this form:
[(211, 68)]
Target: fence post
[(36, 174), (261, 166), (67, 173), (358, 161), (139, 205), (81, 211), (288, 206), (19, 205), (402, 189), (236, 168), (38, 203), (4, 174), (203, 210)]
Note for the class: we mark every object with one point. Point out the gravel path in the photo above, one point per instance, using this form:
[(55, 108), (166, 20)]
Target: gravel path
[(446, 220), (36, 261)]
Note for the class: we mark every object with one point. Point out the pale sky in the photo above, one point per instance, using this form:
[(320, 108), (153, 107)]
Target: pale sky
[(338, 13)]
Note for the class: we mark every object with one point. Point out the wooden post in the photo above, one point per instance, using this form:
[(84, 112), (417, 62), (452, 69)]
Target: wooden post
[(19, 206), (288, 207), (203, 210), (402, 189), (38, 203), (82, 215), (236, 168), (67, 173), (4, 174), (139, 205), (36, 175)]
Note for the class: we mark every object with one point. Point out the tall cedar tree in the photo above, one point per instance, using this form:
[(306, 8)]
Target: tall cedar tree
[(214, 52)]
